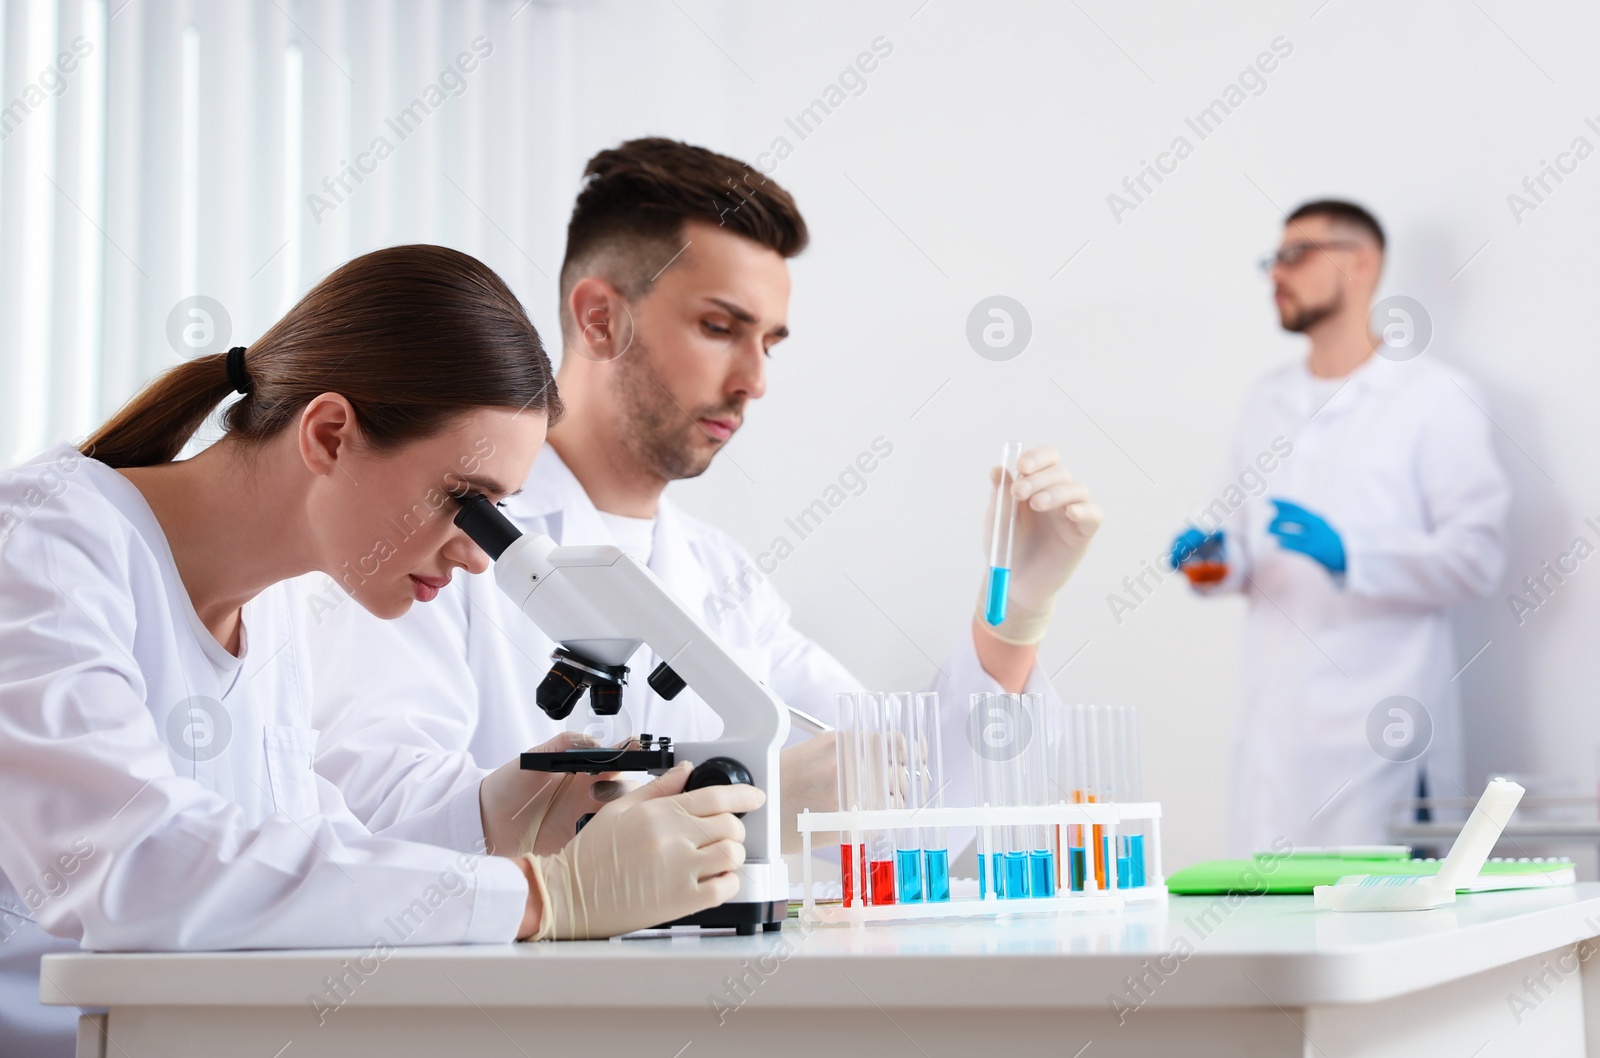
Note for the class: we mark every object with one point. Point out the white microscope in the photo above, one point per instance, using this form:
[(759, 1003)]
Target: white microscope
[(599, 604)]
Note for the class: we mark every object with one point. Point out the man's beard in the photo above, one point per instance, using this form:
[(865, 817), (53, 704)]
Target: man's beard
[(1301, 321), (660, 434)]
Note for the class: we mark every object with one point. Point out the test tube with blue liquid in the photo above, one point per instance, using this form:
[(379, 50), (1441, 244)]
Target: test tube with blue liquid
[(1014, 779), (1132, 790), (904, 792), (983, 794), (929, 758), (1036, 773), (1005, 517)]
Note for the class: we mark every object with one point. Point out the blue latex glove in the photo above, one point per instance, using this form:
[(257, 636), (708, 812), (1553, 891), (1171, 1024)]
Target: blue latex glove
[(1297, 529), (1186, 543)]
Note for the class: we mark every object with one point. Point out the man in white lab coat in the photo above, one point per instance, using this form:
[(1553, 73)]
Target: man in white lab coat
[(674, 290), (1375, 503)]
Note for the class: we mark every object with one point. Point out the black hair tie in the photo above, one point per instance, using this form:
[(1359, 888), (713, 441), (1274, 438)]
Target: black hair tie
[(238, 377)]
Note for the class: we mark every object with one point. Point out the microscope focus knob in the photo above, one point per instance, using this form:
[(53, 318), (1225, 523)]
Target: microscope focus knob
[(719, 771)]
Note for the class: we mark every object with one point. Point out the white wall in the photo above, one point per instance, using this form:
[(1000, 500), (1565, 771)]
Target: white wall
[(988, 142), (977, 161)]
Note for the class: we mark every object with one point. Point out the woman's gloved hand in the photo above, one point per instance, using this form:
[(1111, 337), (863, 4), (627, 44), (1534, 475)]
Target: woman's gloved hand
[(653, 855), (538, 811)]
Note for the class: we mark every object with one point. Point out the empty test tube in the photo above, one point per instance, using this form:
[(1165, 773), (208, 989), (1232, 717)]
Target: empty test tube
[(929, 758), (1005, 516)]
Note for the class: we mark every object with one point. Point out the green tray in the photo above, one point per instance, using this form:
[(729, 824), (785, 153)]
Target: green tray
[(1299, 874)]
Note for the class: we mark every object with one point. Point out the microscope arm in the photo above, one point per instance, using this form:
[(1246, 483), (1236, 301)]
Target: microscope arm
[(602, 603)]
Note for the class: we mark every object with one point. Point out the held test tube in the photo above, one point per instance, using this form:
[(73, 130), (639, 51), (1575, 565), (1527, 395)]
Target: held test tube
[(852, 856), (1005, 516), (905, 791), (929, 756)]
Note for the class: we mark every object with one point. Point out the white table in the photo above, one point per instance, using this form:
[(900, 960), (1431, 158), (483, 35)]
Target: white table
[(1269, 976)]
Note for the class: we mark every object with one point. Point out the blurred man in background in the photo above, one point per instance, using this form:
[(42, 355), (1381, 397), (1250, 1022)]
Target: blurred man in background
[(1385, 505)]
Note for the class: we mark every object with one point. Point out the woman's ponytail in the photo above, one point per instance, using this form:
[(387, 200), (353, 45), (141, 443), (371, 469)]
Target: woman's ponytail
[(155, 425)]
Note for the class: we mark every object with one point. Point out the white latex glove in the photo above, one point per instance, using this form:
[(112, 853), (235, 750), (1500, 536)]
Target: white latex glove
[(538, 811), (1055, 522), (653, 855), (809, 776)]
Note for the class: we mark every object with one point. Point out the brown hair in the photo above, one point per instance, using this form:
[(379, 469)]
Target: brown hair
[(409, 335), (636, 198), (1341, 212)]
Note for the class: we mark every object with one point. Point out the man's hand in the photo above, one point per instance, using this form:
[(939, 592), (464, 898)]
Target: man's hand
[(538, 811), (1298, 529), (808, 777), (1055, 522)]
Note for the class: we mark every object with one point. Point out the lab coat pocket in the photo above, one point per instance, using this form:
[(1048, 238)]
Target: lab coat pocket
[(290, 752)]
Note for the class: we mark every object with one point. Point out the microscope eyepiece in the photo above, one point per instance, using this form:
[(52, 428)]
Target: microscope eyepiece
[(483, 521)]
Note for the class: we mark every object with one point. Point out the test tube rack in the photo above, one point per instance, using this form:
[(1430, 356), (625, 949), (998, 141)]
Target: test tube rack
[(1106, 817)]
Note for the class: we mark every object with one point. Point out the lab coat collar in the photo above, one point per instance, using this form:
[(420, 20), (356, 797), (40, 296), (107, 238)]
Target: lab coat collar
[(1377, 374), (555, 496)]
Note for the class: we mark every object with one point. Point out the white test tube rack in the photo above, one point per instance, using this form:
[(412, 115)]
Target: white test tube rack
[(1108, 816)]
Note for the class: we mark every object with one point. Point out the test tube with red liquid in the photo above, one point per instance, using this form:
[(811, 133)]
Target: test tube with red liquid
[(852, 856), (874, 770)]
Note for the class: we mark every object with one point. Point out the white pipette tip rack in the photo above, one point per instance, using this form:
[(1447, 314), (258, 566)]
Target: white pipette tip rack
[(1423, 892), (1104, 820)]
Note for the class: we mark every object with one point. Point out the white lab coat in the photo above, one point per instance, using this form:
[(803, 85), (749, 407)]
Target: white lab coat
[(1400, 461), (158, 792), (414, 709)]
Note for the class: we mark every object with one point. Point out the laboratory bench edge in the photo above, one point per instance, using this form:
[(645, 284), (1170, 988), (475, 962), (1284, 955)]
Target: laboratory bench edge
[(1257, 951)]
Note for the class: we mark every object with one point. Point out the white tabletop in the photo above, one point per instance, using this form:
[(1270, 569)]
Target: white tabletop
[(1253, 951)]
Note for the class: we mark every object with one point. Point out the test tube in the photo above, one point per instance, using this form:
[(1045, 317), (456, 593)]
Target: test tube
[(1119, 781), (1057, 786), (1005, 516), (1096, 784), (852, 855), (978, 706), (1019, 839), (929, 756), (905, 792), (1135, 793), (1041, 852), (874, 772), (1077, 854)]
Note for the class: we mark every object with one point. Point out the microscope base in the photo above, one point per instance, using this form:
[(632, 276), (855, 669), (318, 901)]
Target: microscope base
[(744, 918)]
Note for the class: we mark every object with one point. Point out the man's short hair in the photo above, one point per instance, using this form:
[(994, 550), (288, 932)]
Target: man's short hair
[(627, 224), (1341, 212)]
